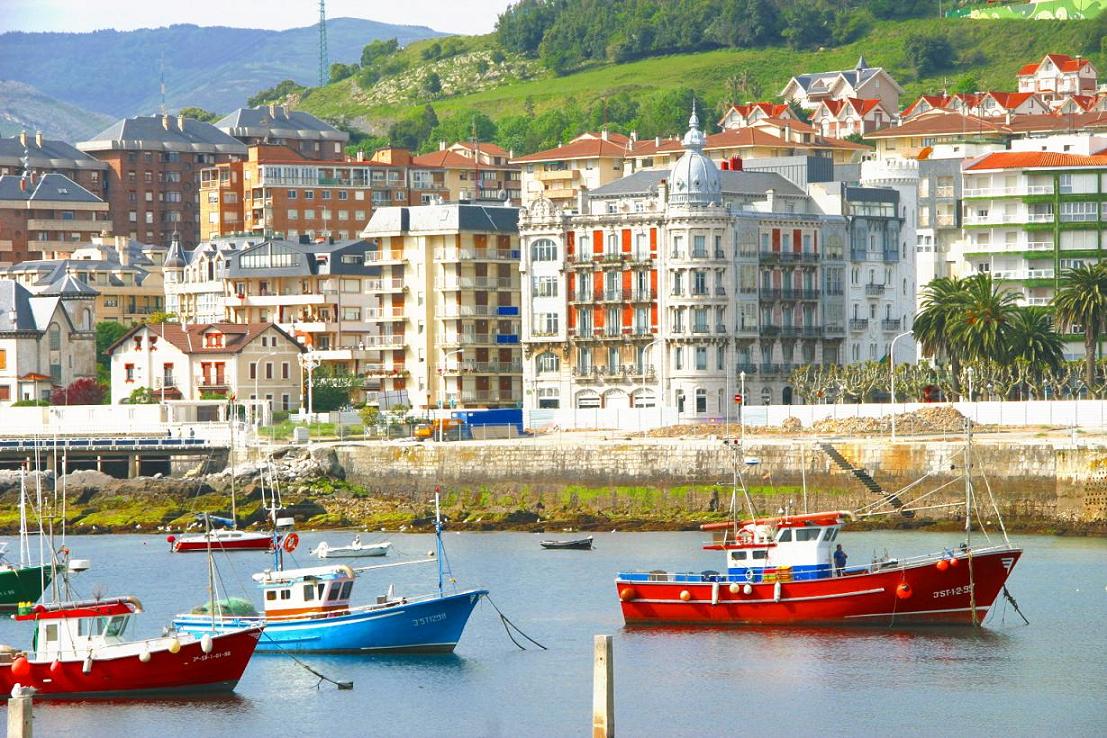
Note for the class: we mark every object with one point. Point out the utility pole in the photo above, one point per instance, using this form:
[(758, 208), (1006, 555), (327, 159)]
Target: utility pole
[(324, 72)]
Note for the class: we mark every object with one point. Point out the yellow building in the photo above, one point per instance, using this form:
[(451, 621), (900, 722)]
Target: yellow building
[(559, 175), (476, 172)]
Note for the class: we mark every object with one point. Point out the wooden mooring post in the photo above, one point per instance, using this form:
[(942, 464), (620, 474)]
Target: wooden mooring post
[(19, 717), (603, 689)]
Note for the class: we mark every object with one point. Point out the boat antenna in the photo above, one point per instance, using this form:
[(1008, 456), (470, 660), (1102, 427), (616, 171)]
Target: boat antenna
[(803, 474)]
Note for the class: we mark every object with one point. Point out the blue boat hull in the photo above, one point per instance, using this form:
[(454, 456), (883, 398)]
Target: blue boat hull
[(425, 626)]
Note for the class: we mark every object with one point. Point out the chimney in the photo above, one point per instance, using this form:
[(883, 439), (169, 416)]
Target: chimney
[(123, 251), (770, 199), (662, 193), (725, 165), (736, 164), (657, 141), (180, 122), (603, 134), (38, 139), (272, 110), (360, 155), (165, 122), (441, 145), (22, 138)]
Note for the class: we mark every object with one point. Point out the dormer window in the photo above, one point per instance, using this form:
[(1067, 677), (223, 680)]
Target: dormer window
[(213, 340)]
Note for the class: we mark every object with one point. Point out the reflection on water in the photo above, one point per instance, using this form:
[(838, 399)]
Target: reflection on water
[(1006, 679)]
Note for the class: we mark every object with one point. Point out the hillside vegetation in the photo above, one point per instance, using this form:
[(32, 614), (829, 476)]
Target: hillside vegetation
[(517, 101)]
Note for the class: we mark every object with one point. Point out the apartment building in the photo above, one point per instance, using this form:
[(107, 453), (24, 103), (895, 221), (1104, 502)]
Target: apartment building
[(561, 174), (321, 294), (447, 303), (476, 172), (46, 215), (47, 340), (195, 281), (1034, 211), (863, 81), (123, 277), (674, 286), (154, 164), (276, 125), (208, 360), (276, 192), (34, 153), (1057, 75)]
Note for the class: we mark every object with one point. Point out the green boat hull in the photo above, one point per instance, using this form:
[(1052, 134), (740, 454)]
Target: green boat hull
[(23, 584)]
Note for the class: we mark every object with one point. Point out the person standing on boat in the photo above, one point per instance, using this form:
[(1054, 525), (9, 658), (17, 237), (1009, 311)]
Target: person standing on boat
[(839, 561)]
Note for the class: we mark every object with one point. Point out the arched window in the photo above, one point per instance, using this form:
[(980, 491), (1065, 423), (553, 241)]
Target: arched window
[(547, 362), (543, 250), (55, 337)]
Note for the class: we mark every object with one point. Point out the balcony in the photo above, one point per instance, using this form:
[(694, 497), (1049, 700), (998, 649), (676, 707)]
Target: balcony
[(384, 341), (452, 255), (583, 296), (67, 224), (467, 311), (793, 257), (615, 296), (891, 325), (832, 330), (891, 256), (382, 315), (303, 326), (746, 331), (383, 370), (643, 295), (384, 257), (484, 367), (1019, 274), (859, 324), (747, 368), (487, 396), (476, 283), (557, 175), (385, 285), (273, 300), (874, 290)]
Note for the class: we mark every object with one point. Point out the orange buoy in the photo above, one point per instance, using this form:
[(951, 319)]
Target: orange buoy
[(942, 565), (21, 668), (685, 595), (903, 591), (170, 539), (953, 562), (626, 594), (291, 541)]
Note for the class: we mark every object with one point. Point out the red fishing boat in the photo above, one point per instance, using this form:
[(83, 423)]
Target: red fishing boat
[(784, 570), (81, 650)]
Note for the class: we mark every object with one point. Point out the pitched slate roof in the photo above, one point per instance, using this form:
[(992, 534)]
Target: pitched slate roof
[(69, 286), (45, 188), (448, 218), (645, 182), (52, 154), (164, 133), (279, 122)]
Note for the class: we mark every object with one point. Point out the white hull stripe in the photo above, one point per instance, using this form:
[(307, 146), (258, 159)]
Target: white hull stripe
[(915, 612), (763, 601)]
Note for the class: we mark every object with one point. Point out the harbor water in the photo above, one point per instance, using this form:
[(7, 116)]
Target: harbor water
[(1006, 679)]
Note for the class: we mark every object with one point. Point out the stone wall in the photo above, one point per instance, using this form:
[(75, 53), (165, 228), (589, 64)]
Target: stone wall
[(1035, 483)]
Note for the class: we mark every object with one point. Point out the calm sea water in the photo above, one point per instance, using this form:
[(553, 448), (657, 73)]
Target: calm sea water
[(1009, 679)]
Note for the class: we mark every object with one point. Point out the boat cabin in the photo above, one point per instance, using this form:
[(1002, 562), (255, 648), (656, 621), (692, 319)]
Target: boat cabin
[(778, 549), (77, 628), (296, 592)]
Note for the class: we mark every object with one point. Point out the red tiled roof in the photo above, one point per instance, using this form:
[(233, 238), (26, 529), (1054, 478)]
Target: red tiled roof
[(792, 123), (743, 137), (1035, 159), (1064, 62), (485, 147), (581, 148), (1010, 100), (938, 102), (650, 146), (770, 109), (940, 122), (190, 339)]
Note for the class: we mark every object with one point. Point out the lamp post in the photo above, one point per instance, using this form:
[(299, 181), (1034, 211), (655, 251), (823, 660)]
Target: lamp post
[(970, 371), (309, 362), (742, 409), (892, 372), (442, 385)]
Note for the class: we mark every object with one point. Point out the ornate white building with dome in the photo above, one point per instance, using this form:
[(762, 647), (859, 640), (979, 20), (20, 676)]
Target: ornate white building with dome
[(679, 287)]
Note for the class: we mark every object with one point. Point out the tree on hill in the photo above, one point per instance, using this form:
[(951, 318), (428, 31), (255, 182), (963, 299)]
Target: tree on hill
[(376, 50), (461, 126), (411, 132), (522, 26), (431, 85), (340, 71), (965, 83), (928, 53), (204, 116), (276, 93)]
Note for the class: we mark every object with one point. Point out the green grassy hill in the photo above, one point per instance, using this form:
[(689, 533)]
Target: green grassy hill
[(991, 51)]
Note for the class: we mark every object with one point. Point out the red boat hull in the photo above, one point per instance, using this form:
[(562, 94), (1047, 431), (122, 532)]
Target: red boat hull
[(187, 671), (235, 544), (932, 595)]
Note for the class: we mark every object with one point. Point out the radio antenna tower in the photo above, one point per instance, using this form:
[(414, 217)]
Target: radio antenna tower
[(324, 73)]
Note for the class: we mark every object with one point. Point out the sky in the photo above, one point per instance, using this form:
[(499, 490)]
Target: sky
[(456, 16)]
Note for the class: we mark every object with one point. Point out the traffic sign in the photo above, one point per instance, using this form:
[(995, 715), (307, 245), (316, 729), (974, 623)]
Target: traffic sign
[(737, 399)]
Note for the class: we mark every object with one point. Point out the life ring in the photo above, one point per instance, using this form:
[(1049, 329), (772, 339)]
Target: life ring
[(749, 575), (291, 541)]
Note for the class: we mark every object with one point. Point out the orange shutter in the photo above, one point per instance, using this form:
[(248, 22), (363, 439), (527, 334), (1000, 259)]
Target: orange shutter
[(598, 322), (653, 242), (597, 242), (570, 243), (626, 240)]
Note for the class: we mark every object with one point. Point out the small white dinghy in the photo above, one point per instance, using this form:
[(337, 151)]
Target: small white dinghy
[(356, 549)]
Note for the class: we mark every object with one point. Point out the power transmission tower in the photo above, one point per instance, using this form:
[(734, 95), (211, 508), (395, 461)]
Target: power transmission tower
[(324, 73)]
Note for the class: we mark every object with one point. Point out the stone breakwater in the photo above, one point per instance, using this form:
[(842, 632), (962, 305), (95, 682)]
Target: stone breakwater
[(597, 483)]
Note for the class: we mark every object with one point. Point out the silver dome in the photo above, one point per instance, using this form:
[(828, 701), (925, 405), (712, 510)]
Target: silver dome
[(694, 178)]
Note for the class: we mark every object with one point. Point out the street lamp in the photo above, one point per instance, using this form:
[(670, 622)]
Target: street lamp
[(742, 408), (970, 371), (442, 385), (892, 372), (309, 362)]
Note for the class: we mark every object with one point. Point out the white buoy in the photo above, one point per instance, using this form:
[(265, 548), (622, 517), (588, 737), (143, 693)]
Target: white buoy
[(747, 589), (205, 643), (714, 593), (174, 646), (776, 592), (144, 655), (734, 588), (87, 666)]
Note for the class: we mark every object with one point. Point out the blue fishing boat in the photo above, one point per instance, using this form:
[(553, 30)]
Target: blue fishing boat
[(308, 610)]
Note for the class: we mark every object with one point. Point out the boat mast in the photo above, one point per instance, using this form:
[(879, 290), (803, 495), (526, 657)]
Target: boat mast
[(211, 572), (234, 507), (438, 538), (968, 520), (24, 544)]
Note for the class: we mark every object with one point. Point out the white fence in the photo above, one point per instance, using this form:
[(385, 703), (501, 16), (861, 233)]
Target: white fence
[(1085, 414), (111, 420)]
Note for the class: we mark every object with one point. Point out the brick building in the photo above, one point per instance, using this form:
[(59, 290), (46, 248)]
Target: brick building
[(47, 156), (46, 215), (153, 177)]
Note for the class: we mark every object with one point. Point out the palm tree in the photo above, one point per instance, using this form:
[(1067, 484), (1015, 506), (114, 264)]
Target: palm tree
[(1082, 301), (1032, 338), (985, 312), (941, 308)]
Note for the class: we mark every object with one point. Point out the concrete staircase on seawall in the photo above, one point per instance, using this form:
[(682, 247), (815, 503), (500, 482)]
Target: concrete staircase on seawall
[(864, 478)]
